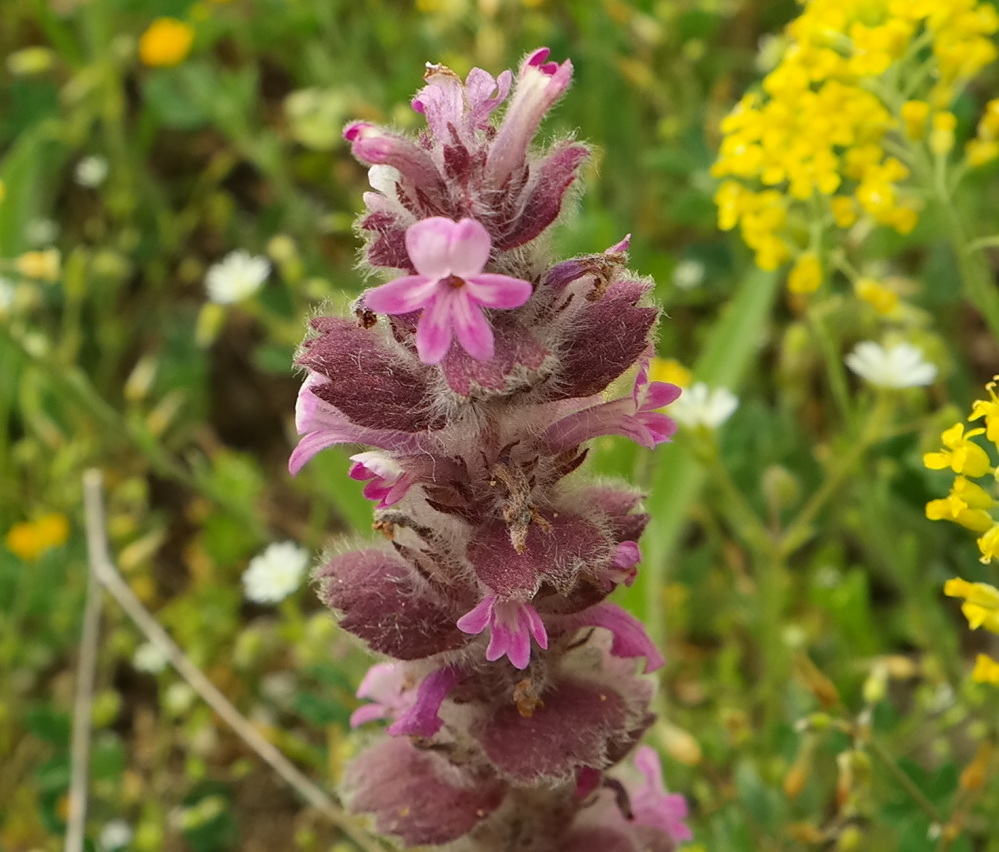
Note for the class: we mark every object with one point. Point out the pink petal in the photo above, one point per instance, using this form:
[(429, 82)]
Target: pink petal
[(536, 626), (498, 291), (315, 442), (659, 394), (365, 714), (402, 296), (433, 332), (428, 243), (630, 638), (469, 248), (506, 642), (476, 620), (627, 555), (470, 327), (518, 649), (421, 719)]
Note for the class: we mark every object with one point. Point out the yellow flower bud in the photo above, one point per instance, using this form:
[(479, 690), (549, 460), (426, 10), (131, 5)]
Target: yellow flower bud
[(806, 274), (914, 115), (942, 135), (879, 297), (166, 42)]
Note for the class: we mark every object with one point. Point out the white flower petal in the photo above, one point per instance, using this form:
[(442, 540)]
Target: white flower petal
[(899, 366), (275, 573), (701, 406), (236, 277)]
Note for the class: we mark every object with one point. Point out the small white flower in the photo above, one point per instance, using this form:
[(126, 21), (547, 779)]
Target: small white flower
[(178, 698), (7, 292), (275, 573), (41, 232), (700, 405), (688, 274), (149, 658), (117, 834), (236, 277), (91, 171), (900, 366)]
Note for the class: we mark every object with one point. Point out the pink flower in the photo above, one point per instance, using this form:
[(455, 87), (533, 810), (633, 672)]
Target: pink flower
[(393, 695), (387, 481), (511, 625), (651, 804), (630, 638), (539, 84), (450, 287), (626, 557), (637, 417)]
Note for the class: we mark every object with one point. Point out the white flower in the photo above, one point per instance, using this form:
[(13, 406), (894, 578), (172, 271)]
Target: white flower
[(275, 573), (900, 366), (700, 405), (7, 292), (91, 171), (688, 274), (149, 658), (115, 835), (178, 698), (236, 277), (41, 232)]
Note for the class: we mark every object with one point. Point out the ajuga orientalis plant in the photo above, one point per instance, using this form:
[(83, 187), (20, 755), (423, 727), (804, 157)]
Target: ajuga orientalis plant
[(516, 693)]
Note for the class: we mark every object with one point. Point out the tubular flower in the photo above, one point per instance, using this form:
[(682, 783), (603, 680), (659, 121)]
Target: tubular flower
[(509, 677), (814, 139)]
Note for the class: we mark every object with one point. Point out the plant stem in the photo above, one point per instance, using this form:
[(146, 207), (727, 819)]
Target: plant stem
[(109, 577)]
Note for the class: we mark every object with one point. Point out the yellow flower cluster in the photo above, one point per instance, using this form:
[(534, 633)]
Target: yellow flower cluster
[(30, 539), (813, 142), (970, 505)]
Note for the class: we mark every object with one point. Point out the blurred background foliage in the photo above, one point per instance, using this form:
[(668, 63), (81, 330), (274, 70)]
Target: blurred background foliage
[(134, 160)]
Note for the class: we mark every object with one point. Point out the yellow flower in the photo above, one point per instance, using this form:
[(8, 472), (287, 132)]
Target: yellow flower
[(988, 544), (879, 297), (942, 134), (669, 370), (960, 454), (30, 539), (844, 211), (166, 42), (981, 151), (40, 265), (967, 504), (980, 593), (986, 670), (806, 274), (989, 409), (981, 602), (914, 115)]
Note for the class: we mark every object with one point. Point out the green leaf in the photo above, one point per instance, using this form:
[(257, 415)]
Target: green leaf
[(50, 725), (678, 477), (26, 172)]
